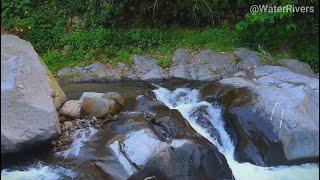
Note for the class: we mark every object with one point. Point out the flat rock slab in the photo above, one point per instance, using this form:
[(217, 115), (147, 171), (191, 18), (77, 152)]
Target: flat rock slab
[(285, 110)]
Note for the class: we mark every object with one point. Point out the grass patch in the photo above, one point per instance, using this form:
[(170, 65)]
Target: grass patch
[(83, 47)]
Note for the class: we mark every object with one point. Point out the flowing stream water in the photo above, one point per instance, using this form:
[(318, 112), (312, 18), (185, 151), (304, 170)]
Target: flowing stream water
[(190, 101), (186, 101)]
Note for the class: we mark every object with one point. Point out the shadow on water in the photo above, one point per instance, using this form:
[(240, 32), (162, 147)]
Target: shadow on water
[(42, 152)]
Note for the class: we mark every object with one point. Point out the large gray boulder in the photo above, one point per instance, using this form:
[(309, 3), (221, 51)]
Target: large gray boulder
[(147, 69), (206, 65), (28, 113), (96, 72), (180, 60), (299, 67), (143, 68), (284, 112), (247, 58)]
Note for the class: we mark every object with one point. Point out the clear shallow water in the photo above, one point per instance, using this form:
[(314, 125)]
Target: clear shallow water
[(190, 101)]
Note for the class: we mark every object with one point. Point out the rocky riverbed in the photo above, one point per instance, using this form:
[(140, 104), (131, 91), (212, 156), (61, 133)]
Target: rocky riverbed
[(209, 116), (160, 132)]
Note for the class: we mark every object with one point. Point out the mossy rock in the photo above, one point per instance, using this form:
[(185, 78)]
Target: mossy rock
[(58, 94)]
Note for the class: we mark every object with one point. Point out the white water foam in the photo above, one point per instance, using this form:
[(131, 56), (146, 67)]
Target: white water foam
[(38, 171), (186, 101)]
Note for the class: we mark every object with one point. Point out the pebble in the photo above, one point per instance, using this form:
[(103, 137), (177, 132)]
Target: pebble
[(68, 127)]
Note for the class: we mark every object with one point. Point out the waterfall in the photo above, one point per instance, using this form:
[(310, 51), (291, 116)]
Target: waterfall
[(186, 100)]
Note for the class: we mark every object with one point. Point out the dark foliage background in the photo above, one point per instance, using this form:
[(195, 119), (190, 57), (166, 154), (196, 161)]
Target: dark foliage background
[(76, 32)]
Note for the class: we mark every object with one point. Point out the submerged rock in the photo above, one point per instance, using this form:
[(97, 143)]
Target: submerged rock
[(118, 98), (28, 112), (279, 120)]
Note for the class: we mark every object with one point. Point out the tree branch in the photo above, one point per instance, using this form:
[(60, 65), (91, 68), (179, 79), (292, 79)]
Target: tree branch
[(211, 14)]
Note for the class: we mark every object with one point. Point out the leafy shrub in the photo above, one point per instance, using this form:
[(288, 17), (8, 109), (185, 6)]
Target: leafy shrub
[(267, 29), (53, 60), (289, 32), (113, 30), (124, 57), (309, 53), (165, 60)]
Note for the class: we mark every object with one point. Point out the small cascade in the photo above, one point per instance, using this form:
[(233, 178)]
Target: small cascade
[(186, 101)]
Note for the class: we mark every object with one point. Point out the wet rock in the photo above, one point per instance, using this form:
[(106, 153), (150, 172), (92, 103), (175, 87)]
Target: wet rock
[(101, 104), (98, 107), (299, 67), (142, 152), (169, 123), (202, 117), (248, 58), (113, 170), (71, 109), (116, 97), (28, 112), (186, 160), (89, 95), (140, 146), (79, 137), (281, 120)]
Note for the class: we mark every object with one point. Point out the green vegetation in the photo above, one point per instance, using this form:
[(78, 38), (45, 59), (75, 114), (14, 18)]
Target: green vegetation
[(78, 32)]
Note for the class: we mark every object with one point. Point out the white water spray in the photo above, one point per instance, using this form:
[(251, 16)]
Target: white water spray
[(38, 171), (186, 101)]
